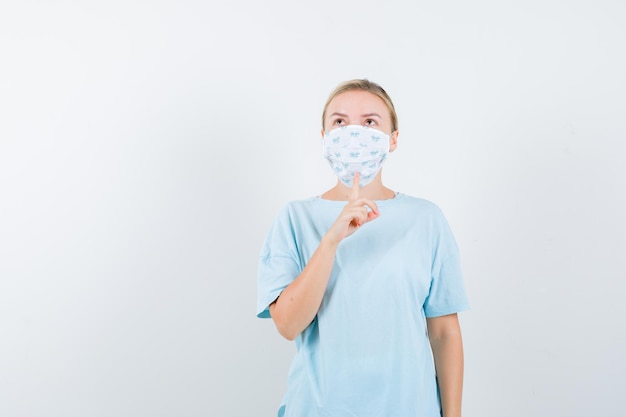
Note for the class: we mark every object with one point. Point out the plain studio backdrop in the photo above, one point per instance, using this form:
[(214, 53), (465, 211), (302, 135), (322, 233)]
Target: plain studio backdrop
[(145, 148)]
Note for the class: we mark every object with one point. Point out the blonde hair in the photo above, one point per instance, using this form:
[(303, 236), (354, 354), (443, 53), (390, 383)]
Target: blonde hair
[(364, 85)]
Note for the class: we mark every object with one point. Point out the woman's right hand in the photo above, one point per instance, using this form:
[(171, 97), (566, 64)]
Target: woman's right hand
[(354, 215)]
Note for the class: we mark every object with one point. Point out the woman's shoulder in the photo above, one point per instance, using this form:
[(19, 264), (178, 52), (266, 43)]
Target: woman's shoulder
[(420, 209), (417, 203), (305, 203), (294, 208)]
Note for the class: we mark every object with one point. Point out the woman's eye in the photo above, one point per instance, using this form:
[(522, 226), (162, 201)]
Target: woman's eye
[(338, 121), (370, 122)]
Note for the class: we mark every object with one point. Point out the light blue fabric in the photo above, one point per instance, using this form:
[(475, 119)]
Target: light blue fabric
[(366, 354)]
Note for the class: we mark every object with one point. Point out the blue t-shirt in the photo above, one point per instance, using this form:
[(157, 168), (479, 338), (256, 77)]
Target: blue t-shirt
[(366, 353)]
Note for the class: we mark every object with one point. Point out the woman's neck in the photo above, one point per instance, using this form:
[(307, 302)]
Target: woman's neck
[(375, 190)]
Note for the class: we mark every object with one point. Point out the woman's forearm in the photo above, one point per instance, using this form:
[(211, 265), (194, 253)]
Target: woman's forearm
[(298, 304), (447, 346)]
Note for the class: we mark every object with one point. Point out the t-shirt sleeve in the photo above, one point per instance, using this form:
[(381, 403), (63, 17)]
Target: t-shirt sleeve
[(278, 262), (447, 293)]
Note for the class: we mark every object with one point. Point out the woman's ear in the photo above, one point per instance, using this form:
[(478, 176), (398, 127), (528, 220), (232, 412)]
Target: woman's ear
[(393, 141), (322, 133)]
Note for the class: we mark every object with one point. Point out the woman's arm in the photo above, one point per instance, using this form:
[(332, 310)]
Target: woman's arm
[(298, 304), (444, 334)]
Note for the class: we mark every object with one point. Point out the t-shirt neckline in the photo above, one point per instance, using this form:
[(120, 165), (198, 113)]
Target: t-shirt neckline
[(397, 196)]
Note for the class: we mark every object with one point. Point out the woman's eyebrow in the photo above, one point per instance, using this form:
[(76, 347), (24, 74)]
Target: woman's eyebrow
[(338, 114), (372, 115)]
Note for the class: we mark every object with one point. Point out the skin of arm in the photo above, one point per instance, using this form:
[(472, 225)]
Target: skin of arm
[(298, 304), (446, 342)]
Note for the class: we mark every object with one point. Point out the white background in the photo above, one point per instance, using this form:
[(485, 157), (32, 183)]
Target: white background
[(145, 147)]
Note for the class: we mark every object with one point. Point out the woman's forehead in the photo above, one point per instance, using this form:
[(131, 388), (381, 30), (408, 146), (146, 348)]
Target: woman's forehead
[(356, 100)]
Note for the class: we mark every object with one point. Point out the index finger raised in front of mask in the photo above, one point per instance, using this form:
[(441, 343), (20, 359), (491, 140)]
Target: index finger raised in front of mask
[(354, 193)]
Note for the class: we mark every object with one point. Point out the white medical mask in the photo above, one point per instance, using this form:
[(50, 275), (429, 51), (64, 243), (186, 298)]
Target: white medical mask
[(351, 149)]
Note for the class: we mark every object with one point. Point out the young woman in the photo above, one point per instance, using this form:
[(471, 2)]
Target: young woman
[(366, 280)]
